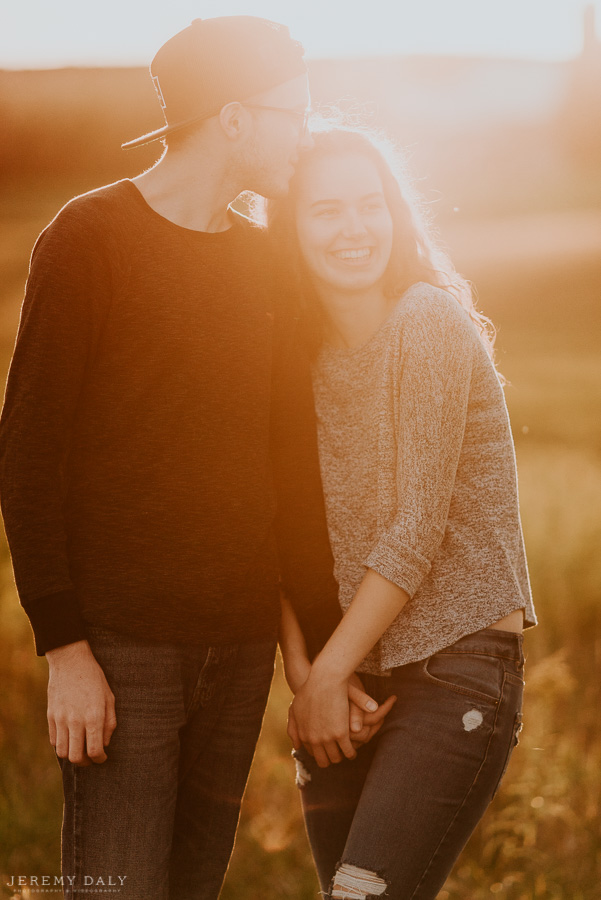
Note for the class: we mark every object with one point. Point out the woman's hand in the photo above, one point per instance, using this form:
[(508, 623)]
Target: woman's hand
[(320, 719), (365, 716), (331, 717)]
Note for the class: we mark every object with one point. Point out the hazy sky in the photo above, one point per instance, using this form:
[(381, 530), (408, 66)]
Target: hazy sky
[(36, 33)]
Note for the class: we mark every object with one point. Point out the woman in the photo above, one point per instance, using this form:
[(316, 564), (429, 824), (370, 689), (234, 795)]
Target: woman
[(419, 477)]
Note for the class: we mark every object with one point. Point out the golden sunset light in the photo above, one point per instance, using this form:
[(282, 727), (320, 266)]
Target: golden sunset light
[(182, 373)]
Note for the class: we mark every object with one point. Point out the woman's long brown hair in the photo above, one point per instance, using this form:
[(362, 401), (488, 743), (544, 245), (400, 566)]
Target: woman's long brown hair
[(416, 255)]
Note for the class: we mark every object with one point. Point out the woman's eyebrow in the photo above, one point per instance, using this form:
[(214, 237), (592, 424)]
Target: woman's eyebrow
[(375, 194)]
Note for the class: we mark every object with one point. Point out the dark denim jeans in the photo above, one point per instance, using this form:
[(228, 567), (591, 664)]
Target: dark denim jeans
[(157, 820), (394, 820)]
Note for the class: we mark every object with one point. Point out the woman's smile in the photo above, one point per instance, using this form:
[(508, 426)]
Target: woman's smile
[(354, 256)]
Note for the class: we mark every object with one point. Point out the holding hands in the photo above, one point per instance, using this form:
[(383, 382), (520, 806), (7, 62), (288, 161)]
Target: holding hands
[(330, 716)]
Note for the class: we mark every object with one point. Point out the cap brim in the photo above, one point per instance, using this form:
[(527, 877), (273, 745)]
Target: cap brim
[(161, 132), (146, 138)]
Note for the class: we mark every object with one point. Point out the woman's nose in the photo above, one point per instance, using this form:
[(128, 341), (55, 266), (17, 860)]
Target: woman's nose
[(354, 226)]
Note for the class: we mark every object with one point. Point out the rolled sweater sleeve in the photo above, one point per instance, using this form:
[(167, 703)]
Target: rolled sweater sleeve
[(433, 374), (58, 328)]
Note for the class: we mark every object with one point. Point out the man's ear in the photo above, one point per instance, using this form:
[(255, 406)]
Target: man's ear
[(234, 120)]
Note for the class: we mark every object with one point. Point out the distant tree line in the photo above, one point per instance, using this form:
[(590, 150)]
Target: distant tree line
[(67, 122), (70, 123)]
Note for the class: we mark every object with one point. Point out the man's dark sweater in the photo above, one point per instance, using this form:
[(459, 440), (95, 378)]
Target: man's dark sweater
[(157, 411)]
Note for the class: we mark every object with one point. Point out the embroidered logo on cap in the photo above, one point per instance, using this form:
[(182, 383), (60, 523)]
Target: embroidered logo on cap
[(157, 87)]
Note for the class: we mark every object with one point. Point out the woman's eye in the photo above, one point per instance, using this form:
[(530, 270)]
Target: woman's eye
[(373, 207), (327, 212)]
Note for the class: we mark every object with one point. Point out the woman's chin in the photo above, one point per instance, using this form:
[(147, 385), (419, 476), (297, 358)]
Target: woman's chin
[(355, 278)]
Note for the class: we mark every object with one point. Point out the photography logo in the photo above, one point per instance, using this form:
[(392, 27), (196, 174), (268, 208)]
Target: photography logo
[(29, 885)]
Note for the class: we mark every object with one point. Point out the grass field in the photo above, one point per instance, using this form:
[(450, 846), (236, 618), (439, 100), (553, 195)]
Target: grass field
[(541, 838)]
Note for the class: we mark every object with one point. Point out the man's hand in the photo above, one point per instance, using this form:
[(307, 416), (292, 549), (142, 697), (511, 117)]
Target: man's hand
[(81, 705), (319, 718)]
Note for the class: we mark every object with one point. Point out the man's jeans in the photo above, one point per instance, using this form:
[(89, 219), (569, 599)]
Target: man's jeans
[(393, 821), (157, 820)]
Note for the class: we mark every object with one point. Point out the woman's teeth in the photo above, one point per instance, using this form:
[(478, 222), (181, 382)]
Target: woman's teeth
[(363, 253)]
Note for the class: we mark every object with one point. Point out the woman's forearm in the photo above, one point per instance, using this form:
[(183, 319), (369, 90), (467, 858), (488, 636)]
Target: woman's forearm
[(375, 605), (320, 708)]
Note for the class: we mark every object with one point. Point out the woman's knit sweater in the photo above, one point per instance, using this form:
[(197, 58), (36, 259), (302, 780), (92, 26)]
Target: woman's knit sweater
[(419, 473)]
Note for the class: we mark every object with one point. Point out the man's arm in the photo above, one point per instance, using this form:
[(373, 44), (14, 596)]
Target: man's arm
[(57, 332), (305, 556)]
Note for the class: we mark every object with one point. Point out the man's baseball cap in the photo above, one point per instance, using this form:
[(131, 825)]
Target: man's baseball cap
[(216, 61)]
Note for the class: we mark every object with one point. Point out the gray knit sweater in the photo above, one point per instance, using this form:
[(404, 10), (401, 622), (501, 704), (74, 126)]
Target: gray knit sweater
[(419, 474)]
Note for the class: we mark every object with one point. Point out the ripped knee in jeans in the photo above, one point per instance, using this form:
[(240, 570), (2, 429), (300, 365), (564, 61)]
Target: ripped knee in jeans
[(303, 776), (354, 883)]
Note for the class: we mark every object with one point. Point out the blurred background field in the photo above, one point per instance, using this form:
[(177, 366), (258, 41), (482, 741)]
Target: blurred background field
[(508, 156)]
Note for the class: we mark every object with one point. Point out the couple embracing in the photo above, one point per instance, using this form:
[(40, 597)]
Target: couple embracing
[(217, 435)]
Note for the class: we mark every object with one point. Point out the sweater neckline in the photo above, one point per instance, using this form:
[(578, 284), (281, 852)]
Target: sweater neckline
[(347, 353), (238, 221)]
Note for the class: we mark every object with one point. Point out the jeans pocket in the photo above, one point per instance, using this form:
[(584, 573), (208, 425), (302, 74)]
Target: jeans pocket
[(474, 675), (515, 739)]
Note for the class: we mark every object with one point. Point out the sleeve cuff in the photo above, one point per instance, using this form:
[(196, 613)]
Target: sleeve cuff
[(399, 564), (55, 620)]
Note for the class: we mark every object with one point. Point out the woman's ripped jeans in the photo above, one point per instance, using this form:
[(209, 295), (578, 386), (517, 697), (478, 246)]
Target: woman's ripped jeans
[(393, 821)]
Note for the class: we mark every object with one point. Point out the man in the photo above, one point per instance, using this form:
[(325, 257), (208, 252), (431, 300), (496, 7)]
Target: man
[(155, 408)]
